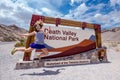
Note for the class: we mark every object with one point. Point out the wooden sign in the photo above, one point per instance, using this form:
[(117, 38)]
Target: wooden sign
[(67, 36)]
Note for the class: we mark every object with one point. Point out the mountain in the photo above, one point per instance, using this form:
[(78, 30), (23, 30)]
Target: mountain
[(10, 33), (111, 34), (92, 38)]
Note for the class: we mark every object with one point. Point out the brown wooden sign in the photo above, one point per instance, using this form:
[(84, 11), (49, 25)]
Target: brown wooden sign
[(63, 22)]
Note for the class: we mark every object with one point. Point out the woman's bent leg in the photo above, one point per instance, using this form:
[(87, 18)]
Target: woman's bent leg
[(21, 49), (45, 52)]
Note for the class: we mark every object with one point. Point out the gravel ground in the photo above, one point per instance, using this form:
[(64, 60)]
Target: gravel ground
[(103, 71)]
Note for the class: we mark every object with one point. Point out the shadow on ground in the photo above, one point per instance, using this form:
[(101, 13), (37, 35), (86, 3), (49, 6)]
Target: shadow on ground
[(46, 72)]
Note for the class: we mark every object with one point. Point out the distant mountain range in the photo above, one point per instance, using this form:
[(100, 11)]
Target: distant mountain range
[(111, 34), (10, 33)]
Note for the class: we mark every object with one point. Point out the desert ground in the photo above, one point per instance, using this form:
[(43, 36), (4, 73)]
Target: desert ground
[(102, 71)]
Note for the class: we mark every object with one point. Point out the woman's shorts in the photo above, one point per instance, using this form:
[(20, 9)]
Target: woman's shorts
[(37, 46)]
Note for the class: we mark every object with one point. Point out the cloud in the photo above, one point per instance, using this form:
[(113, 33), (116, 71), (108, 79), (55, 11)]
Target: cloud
[(50, 13), (14, 13), (102, 19), (113, 2), (108, 20), (19, 12), (85, 13), (78, 12), (114, 16), (56, 3), (97, 15), (102, 14), (72, 2)]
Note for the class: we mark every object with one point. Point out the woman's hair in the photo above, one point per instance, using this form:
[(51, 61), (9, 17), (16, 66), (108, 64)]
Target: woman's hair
[(38, 23)]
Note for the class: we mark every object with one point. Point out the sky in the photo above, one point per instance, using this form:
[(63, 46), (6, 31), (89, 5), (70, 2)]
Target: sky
[(19, 12)]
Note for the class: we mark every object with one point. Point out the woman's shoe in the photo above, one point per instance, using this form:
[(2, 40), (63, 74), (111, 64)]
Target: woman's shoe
[(13, 51), (39, 57)]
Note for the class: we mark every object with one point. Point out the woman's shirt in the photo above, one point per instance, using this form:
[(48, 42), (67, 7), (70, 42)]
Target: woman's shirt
[(39, 37)]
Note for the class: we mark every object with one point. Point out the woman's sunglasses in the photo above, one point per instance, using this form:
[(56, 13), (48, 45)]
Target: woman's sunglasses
[(38, 26)]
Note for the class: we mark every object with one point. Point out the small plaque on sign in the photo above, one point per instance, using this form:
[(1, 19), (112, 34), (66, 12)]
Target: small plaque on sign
[(66, 62)]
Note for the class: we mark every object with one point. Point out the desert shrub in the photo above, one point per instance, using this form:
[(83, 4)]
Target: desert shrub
[(114, 44), (20, 43), (119, 42), (117, 49)]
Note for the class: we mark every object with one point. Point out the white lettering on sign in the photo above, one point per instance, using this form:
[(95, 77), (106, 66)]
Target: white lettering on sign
[(66, 62)]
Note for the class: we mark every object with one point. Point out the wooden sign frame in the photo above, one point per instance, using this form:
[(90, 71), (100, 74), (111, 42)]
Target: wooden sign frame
[(64, 22)]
